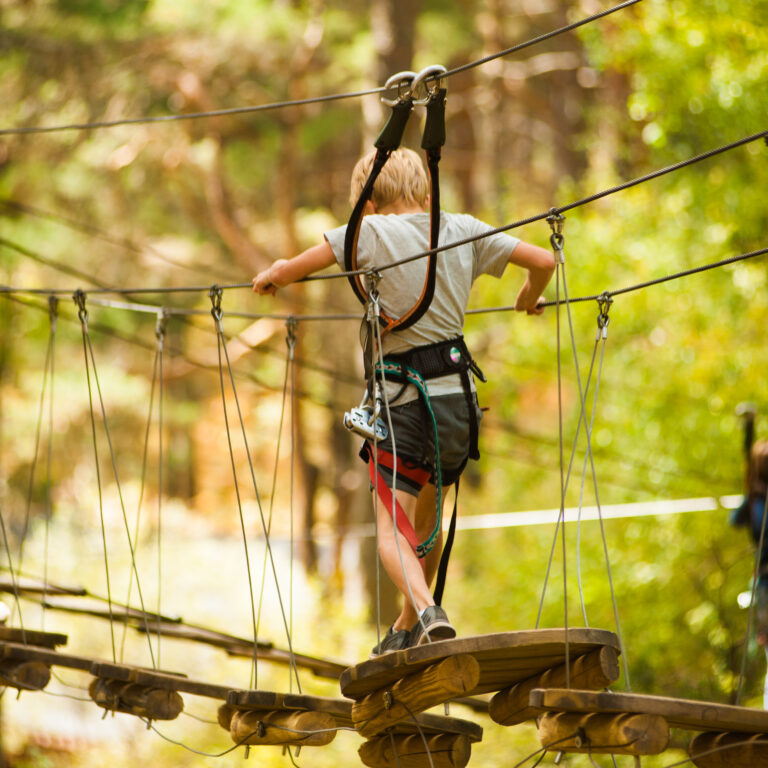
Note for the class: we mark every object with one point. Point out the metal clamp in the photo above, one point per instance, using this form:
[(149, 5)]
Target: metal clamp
[(53, 311), (161, 326), (430, 79), (402, 81), (556, 223), (215, 295), (291, 324), (82, 313)]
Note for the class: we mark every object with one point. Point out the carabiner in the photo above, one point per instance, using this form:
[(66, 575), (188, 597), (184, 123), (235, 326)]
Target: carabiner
[(430, 79), (399, 80)]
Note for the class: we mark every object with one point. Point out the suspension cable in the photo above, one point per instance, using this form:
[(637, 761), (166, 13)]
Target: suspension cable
[(19, 131)]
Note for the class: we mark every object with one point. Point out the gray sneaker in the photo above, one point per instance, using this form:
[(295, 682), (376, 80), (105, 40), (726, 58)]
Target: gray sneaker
[(437, 627), (394, 640)]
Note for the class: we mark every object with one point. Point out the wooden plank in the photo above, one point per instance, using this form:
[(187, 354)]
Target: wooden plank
[(615, 734), (306, 729), (679, 713), (31, 637), (410, 751), (729, 750), (45, 655), (505, 658), (453, 676), (595, 670)]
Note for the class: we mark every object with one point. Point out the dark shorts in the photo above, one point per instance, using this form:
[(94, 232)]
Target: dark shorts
[(415, 440)]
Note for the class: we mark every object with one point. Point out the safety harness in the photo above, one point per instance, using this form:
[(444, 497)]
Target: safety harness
[(419, 364)]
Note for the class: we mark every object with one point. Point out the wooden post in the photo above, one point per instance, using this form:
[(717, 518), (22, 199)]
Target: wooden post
[(447, 750), (294, 728), (152, 703), (618, 734), (729, 750), (594, 670), (453, 676)]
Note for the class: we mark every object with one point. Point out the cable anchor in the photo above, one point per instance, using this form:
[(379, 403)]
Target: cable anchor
[(556, 222), (215, 295), (82, 313), (604, 301)]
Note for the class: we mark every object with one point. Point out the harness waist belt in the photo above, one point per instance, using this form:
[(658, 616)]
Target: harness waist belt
[(438, 359)]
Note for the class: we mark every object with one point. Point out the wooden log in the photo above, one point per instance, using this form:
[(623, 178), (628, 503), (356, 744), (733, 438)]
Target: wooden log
[(679, 713), (594, 670), (618, 734), (446, 750), (133, 699), (451, 677), (25, 675), (224, 715), (305, 729), (729, 750)]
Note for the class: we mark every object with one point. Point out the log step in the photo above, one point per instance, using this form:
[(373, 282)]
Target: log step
[(134, 699), (617, 734), (443, 750), (453, 676)]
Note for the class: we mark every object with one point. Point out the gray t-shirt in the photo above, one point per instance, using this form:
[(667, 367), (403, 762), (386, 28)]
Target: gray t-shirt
[(388, 238)]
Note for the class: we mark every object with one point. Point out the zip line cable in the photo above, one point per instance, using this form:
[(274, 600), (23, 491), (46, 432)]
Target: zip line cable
[(539, 39), (20, 131)]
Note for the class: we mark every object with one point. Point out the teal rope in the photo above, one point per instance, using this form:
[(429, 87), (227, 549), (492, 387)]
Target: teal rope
[(412, 376)]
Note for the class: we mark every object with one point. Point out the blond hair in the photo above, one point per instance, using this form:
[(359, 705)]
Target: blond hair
[(402, 178)]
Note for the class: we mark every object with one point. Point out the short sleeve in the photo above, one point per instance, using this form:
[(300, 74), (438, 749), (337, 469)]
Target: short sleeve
[(492, 252), (335, 238)]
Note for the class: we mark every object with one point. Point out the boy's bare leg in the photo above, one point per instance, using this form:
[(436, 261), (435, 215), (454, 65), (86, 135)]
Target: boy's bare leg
[(420, 572), (406, 574)]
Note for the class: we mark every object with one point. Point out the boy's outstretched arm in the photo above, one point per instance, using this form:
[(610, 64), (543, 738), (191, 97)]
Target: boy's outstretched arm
[(285, 271), (540, 264)]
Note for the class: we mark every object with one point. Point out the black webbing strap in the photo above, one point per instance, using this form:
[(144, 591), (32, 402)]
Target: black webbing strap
[(442, 569), (389, 140)]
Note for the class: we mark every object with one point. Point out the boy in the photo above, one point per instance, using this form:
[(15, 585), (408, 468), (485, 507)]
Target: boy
[(396, 225)]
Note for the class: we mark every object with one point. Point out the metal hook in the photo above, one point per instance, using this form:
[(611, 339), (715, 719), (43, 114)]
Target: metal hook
[(400, 81), (431, 79)]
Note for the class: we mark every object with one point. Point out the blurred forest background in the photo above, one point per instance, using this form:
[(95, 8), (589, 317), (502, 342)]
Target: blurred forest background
[(213, 200)]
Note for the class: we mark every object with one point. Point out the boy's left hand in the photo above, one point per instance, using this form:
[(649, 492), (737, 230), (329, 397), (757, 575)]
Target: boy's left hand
[(263, 285)]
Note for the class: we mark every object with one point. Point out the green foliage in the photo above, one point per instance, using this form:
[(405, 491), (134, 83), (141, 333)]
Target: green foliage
[(213, 200)]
